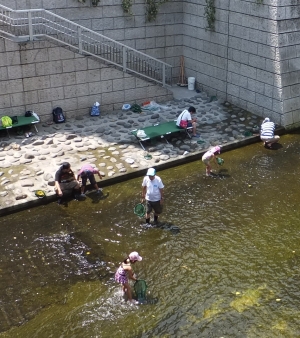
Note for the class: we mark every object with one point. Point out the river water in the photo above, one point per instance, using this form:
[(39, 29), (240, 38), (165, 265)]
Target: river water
[(232, 271)]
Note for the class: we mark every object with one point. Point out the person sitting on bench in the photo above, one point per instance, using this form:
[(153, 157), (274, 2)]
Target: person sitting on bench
[(191, 122)]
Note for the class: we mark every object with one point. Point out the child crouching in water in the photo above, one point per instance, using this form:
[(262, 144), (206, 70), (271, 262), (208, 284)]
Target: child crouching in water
[(209, 156), (125, 272)]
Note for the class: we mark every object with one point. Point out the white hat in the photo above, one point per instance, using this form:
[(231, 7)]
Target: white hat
[(134, 256), (266, 120), (151, 172), (97, 104)]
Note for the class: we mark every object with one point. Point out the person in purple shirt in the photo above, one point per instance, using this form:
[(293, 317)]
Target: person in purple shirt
[(87, 172)]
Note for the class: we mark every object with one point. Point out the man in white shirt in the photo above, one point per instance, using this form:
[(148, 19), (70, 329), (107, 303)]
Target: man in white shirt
[(191, 122), (153, 193)]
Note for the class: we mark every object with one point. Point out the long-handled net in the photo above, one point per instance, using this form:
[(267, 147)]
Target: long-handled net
[(140, 288), (140, 210)]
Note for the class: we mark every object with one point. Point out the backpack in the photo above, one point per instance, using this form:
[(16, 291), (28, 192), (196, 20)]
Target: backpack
[(58, 115)]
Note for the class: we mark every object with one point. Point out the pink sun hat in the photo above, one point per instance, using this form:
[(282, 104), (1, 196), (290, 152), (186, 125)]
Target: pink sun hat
[(134, 256), (217, 149)]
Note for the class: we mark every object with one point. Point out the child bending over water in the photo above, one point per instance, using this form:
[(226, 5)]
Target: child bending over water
[(125, 272), (209, 156)]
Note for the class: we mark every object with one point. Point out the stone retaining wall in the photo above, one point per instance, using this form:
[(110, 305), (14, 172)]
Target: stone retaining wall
[(251, 59), (40, 76)]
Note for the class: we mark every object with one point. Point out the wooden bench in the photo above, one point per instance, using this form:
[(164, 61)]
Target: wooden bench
[(160, 130), (23, 121)]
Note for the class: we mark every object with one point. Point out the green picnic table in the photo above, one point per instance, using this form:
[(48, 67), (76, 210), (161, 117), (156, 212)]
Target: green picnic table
[(22, 121), (159, 130)]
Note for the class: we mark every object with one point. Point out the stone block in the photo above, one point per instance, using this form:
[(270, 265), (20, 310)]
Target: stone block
[(51, 94), (67, 104), (255, 86), (54, 53), (28, 70), (277, 106), (68, 66), (66, 53), (38, 55), (49, 68), (248, 71), (82, 89), (106, 86), (263, 101), (3, 73), (97, 24), (85, 102), (94, 88), (14, 72), (291, 104), (30, 97), (115, 34), (289, 79), (256, 62), (35, 83), (233, 89), (117, 97), (17, 99), (4, 101)]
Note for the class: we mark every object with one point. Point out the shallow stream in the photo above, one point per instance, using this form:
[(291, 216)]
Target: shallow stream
[(232, 271)]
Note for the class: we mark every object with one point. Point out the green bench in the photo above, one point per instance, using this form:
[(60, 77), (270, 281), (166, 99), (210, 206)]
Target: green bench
[(160, 130), (23, 121)]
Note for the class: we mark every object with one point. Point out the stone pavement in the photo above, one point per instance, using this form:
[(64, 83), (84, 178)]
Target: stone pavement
[(29, 164)]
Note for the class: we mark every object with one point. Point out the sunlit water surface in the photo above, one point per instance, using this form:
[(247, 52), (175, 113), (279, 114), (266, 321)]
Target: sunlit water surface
[(232, 271)]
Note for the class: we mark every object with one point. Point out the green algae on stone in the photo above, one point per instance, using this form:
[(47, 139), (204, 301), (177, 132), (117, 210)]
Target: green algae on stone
[(247, 299)]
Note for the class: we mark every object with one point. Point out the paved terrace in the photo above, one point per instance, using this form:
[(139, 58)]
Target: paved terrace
[(29, 164)]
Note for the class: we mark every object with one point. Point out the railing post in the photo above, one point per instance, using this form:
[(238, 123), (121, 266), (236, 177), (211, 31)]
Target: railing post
[(124, 59), (79, 40), (30, 28), (163, 75)]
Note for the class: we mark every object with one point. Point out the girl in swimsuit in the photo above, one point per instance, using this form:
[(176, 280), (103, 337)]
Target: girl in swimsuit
[(125, 272)]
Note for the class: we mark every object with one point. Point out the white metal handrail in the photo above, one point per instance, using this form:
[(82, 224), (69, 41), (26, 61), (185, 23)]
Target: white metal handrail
[(32, 24)]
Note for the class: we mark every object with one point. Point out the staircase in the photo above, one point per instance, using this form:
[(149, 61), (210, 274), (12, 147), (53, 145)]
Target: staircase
[(40, 24)]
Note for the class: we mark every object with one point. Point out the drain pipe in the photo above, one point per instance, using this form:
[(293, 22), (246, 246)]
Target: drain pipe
[(229, 2)]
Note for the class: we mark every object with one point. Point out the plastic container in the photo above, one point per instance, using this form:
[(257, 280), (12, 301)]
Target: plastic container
[(126, 106), (191, 83)]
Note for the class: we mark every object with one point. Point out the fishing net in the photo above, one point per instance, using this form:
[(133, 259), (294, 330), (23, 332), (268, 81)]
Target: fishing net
[(140, 288), (220, 161), (139, 210)]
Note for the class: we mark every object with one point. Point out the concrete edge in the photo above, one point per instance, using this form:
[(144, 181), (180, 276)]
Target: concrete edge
[(141, 172)]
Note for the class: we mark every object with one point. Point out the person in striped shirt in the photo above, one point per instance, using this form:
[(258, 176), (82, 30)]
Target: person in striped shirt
[(267, 133)]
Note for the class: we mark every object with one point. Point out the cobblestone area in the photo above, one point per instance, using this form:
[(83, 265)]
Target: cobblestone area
[(29, 164)]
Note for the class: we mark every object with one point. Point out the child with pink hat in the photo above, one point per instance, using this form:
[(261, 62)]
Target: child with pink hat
[(125, 272), (209, 156)]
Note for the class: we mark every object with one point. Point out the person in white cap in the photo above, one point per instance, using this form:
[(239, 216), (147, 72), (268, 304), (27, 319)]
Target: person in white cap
[(209, 156), (153, 193), (125, 272), (267, 133)]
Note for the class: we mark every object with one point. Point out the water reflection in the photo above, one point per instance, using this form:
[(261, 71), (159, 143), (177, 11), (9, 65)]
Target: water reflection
[(232, 271)]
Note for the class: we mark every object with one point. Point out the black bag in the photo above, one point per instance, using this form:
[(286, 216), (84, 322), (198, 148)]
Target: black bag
[(58, 115), (28, 113), (14, 119)]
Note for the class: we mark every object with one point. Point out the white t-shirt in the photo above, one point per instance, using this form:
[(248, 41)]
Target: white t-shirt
[(153, 192), (185, 116)]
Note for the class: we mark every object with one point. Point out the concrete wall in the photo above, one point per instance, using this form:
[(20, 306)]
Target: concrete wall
[(39, 76), (252, 58)]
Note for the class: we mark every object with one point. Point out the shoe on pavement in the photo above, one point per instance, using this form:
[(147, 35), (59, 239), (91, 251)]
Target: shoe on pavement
[(196, 135)]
